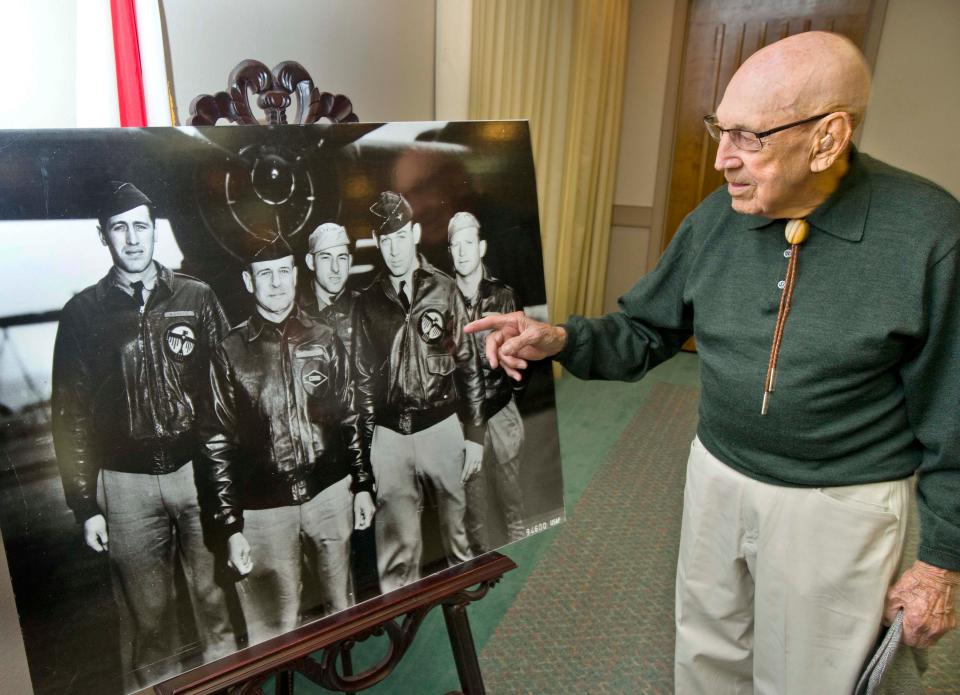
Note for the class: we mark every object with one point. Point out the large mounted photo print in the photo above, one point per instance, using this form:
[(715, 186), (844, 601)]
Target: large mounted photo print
[(236, 394)]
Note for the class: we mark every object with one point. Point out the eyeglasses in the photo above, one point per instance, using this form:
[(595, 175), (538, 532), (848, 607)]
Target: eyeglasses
[(749, 140)]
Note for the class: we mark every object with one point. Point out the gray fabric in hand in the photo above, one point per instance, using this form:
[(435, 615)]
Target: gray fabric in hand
[(882, 658)]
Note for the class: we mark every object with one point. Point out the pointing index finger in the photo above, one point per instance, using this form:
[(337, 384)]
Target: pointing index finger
[(494, 321)]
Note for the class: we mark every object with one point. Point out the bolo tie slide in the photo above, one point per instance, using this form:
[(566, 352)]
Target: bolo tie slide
[(796, 232)]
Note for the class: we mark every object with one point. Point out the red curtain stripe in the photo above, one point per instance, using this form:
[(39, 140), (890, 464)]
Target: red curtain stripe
[(126, 49)]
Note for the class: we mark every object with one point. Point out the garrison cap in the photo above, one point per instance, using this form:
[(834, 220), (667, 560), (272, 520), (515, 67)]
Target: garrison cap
[(120, 196), (462, 220), (326, 236), (394, 212), (267, 250)]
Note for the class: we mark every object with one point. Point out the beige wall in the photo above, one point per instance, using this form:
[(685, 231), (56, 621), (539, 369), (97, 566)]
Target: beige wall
[(913, 114), (648, 48), (625, 264), (38, 43), (379, 53)]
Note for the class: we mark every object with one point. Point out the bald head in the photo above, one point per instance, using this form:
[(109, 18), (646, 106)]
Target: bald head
[(811, 91), (803, 75)]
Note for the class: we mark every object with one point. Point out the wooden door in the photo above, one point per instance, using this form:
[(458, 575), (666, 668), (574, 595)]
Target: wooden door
[(720, 35)]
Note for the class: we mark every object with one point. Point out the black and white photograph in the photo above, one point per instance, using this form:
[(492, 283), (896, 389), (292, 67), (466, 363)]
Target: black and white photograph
[(236, 392)]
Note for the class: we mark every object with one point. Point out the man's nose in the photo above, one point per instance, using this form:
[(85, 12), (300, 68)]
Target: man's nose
[(133, 237), (334, 266), (728, 156), (275, 279)]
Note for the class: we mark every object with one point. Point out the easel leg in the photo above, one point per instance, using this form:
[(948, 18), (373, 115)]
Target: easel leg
[(347, 662), (464, 649), (284, 683)]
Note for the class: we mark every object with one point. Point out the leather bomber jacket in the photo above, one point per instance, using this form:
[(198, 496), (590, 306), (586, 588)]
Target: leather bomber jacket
[(415, 367), (282, 424), (338, 315), (493, 297), (127, 385)]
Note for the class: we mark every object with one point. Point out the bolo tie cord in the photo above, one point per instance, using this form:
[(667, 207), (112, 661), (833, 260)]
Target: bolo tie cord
[(796, 233)]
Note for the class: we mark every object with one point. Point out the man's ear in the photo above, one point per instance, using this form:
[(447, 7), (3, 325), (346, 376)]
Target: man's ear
[(483, 248), (416, 233), (831, 140), (103, 237), (247, 281), (376, 239), (310, 262)]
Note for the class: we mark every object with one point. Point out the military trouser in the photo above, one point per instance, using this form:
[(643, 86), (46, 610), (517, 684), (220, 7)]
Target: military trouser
[(285, 541), (402, 465), (502, 451), (153, 522)]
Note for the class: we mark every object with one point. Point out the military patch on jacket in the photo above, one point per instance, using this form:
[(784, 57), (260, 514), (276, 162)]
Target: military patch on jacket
[(430, 326), (180, 340), (312, 378)]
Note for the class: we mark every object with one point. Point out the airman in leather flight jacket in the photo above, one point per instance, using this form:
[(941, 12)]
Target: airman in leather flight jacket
[(282, 425), (415, 368), (493, 297), (127, 385), (338, 315)]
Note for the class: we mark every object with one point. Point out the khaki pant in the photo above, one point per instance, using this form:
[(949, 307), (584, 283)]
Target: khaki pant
[(499, 475), (402, 465), (153, 523), (305, 544), (779, 589)]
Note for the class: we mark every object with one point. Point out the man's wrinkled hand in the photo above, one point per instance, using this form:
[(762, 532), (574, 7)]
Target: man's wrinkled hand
[(472, 460), (363, 510), (95, 533), (927, 596), (238, 554), (516, 338)]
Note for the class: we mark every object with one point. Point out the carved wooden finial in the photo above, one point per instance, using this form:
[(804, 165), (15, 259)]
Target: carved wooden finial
[(275, 90)]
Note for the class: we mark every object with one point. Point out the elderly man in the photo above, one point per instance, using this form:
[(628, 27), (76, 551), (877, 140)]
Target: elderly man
[(829, 377), (129, 368), (418, 382), (283, 452), (485, 295), (329, 299)]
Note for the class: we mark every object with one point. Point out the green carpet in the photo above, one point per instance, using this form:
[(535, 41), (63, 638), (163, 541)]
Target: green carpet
[(596, 615)]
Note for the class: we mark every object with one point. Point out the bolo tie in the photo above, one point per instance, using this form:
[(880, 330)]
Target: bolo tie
[(796, 232)]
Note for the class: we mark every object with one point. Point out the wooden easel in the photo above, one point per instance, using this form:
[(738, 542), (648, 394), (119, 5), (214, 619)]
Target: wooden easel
[(397, 615)]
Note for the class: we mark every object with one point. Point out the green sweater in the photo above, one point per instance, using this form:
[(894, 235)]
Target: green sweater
[(868, 379)]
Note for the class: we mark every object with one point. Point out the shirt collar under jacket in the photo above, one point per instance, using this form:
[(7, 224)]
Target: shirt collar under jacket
[(256, 324), (424, 268), (112, 281), (844, 213)]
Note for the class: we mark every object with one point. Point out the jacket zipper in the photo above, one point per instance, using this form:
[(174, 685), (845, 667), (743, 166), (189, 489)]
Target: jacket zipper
[(151, 380)]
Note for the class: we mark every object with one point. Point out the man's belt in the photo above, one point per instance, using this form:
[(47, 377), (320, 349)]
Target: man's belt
[(150, 458), (410, 421), (293, 487)]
